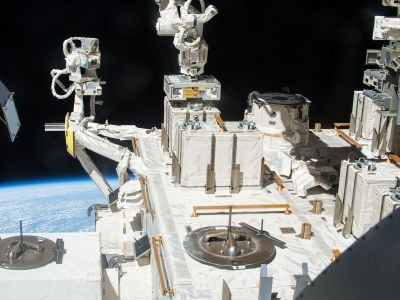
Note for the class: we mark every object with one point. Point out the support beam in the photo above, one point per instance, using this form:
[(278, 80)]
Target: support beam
[(265, 285), (302, 281)]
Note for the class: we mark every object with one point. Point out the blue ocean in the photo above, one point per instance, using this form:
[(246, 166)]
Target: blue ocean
[(49, 205)]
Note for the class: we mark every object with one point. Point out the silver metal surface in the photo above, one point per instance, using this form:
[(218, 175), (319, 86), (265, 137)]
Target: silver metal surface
[(365, 165), (180, 87), (278, 99), (239, 249), (32, 252), (376, 78), (50, 127)]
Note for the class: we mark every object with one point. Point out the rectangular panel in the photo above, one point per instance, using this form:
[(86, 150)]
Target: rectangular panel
[(4, 94), (11, 117), (387, 29), (223, 159), (195, 157), (249, 156), (178, 87)]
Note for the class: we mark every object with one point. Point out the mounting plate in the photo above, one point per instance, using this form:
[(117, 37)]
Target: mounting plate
[(37, 252), (213, 246)]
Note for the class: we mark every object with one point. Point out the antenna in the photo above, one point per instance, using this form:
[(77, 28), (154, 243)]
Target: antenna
[(230, 220), (21, 237)]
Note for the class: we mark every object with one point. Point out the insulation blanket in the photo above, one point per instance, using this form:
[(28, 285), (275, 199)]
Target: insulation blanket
[(78, 277)]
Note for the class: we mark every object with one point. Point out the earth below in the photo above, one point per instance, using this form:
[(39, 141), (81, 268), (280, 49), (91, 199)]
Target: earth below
[(49, 205)]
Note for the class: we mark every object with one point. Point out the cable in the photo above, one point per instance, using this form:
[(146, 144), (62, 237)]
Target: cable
[(56, 75), (4, 121)]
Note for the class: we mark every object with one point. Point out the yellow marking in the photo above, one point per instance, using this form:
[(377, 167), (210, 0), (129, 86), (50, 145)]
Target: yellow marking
[(335, 254), (191, 92), (69, 137), (393, 157), (220, 123)]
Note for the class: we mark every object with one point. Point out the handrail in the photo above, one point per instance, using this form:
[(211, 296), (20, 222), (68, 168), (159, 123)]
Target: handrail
[(393, 157), (220, 122), (285, 207), (157, 242), (147, 207), (340, 125), (134, 142), (345, 136), (278, 181)]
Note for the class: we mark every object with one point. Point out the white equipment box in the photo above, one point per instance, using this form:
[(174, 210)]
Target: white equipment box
[(196, 150), (178, 87), (389, 201), (356, 191), (386, 134), (79, 277), (176, 113), (363, 116)]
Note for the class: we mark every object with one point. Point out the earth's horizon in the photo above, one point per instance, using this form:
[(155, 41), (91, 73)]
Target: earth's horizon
[(49, 205)]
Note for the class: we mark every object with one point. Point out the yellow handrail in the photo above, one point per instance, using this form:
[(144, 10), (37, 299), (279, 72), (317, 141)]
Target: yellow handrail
[(347, 138), (285, 207), (157, 242), (220, 123), (142, 181), (278, 181)]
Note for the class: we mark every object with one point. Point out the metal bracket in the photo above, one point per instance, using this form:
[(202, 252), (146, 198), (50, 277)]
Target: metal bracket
[(302, 281), (210, 184), (60, 251), (265, 286), (338, 214), (176, 170), (235, 181), (347, 229)]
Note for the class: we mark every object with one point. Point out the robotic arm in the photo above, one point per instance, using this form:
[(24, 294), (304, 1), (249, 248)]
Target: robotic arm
[(182, 20), (82, 59)]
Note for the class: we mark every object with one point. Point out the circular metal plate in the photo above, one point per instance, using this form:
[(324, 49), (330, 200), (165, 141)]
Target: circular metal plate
[(255, 249), (283, 99), (31, 258)]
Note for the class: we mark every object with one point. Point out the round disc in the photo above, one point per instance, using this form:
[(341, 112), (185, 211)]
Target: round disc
[(255, 249), (283, 99), (30, 259)]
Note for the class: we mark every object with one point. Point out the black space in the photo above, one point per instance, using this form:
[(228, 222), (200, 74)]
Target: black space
[(317, 48)]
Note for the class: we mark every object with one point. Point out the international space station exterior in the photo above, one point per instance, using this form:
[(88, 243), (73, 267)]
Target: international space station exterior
[(266, 207)]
